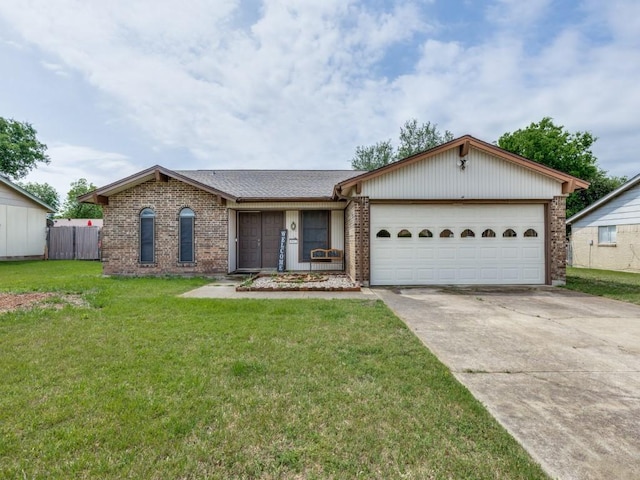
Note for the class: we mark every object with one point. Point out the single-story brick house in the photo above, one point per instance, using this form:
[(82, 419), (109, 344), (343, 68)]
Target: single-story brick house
[(606, 234), (23, 223), (465, 212)]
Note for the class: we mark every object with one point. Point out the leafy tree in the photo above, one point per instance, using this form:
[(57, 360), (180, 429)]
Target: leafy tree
[(553, 146), (413, 138), (44, 192), (20, 150), (74, 209)]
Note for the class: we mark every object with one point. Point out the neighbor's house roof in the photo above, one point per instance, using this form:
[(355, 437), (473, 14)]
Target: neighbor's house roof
[(237, 185), (464, 143), (604, 200), (22, 191)]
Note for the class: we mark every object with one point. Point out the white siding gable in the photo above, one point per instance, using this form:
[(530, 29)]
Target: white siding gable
[(439, 177), (621, 210)]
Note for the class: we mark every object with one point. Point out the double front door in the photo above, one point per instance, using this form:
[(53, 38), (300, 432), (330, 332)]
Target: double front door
[(258, 239)]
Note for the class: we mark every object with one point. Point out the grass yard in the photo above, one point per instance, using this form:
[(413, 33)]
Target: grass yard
[(138, 383), (623, 286)]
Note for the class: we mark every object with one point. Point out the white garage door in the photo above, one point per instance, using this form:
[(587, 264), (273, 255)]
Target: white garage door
[(450, 244)]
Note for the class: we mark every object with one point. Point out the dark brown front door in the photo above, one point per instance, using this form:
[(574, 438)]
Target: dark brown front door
[(258, 236)]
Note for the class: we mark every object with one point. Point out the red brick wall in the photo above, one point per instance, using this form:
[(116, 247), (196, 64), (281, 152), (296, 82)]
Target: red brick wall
[(121, 231), (557, 233), (357, 240)]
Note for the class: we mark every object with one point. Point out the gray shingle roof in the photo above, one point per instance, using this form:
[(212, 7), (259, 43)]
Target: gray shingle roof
[(280, 184)]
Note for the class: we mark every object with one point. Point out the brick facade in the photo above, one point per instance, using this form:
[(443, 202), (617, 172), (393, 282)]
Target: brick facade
[(121, 231), (357, 240), (557, 241)]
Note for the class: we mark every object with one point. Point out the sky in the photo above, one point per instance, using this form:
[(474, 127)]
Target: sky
[(114, 87)]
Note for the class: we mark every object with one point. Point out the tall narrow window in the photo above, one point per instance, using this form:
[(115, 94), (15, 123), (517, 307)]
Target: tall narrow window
[(147, 235), (315, 231), (187, 218)]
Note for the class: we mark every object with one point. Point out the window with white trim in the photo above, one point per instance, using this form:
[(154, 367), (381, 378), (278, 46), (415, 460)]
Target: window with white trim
[(187, 251), (607, 234), (147, 235)]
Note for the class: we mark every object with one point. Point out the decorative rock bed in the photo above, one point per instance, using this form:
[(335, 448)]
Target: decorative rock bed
[(322, 282)]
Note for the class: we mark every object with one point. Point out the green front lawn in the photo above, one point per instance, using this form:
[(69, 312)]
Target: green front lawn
[(139, 383), (623, 286)]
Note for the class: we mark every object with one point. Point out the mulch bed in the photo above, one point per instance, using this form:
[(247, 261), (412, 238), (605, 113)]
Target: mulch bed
[(303, 282)]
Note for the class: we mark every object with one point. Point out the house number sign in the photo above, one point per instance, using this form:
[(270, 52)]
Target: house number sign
[(282, 251)]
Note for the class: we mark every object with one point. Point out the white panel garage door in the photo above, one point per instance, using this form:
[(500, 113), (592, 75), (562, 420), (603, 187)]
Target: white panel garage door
[(450, 244)]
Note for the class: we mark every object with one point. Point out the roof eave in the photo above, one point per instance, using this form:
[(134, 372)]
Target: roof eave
[(598, 203), (27, 194), (569, 182)]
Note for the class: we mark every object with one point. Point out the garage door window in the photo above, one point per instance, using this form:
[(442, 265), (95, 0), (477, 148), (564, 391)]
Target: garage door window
[(383, 234), (426, 233), (446, 233), (467, 233), (509, 233), (530, 233), (404, 233), (488, 233)]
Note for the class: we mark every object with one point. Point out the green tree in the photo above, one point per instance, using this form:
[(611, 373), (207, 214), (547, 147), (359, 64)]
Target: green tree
[(413, 139), (20, 149), (44, 192), (552, 145), (74, 209), (555, 147)]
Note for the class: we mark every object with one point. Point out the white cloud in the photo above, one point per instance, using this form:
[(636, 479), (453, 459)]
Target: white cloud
[(299, 84), (72, 162)]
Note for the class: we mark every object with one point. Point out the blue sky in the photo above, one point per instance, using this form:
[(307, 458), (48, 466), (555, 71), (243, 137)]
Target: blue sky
[(115, 87)]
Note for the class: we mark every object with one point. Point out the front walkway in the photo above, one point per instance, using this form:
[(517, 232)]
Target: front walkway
[(229, 291)]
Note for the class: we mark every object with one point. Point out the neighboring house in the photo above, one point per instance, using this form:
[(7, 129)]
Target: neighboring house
[(23, 223), (606, 234), (465, 212)]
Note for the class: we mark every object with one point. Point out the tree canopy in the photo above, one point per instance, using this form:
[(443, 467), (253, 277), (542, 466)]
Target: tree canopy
[(413, 139), (552, 145), (74, 209), (20, 149), (44, 192)]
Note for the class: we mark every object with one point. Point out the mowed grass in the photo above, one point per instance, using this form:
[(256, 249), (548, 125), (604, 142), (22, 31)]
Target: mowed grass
[(144, 384), (623, 286)]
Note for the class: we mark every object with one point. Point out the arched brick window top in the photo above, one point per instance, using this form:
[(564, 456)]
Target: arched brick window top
[(383, 234), (186, 212)]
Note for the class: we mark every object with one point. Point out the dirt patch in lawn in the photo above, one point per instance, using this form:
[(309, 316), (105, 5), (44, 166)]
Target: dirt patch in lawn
[(23, 301)]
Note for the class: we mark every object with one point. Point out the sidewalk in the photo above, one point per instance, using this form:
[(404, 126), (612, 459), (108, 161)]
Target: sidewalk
[(228, 290)]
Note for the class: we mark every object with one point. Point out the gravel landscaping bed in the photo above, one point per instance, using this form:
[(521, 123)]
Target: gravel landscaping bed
[(300, 282)]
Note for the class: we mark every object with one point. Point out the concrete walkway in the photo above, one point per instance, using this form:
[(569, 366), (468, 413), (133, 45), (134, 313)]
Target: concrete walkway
[(559, 370), (228, 290)]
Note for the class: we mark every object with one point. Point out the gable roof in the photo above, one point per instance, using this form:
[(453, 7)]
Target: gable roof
[(604, 200), (257, 185), (237, 185), (25, 193), (464, 143)]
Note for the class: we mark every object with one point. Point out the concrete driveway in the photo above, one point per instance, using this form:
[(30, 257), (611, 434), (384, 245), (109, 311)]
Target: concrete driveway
[(559, 370)]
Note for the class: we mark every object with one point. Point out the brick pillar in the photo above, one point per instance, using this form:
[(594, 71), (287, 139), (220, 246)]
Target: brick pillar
[(557, 240), (357, 240)]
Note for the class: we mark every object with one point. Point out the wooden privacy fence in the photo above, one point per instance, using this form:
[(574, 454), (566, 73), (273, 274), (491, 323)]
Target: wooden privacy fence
[(73, 243)]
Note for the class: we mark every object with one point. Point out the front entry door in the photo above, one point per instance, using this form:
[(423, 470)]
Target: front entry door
[(258, 237)]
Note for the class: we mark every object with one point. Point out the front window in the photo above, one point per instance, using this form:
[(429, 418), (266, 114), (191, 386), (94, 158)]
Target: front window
[(147, 235), (187, 218), (607, 234), (315, 231)]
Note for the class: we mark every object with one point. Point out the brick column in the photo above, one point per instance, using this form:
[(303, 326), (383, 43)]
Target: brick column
[(357, 240), (557, 240)]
